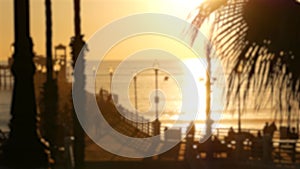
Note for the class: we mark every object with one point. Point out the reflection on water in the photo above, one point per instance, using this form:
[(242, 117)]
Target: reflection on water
[(251, 120)]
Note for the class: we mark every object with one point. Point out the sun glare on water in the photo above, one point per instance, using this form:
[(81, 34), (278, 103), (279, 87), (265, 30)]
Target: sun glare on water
[(198, 72)]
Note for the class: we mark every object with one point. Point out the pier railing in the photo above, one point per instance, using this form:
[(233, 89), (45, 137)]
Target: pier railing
[(140, 122), (274, 150)]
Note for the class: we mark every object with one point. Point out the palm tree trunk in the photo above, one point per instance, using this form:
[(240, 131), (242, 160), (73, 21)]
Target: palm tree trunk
[(50, 86), (49, 39), (77, 44), (24, 148)]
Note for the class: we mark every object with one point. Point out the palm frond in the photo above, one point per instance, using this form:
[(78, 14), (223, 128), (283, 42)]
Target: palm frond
[(262, 37)]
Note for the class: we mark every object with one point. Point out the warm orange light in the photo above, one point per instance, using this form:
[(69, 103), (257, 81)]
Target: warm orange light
[(197, 69)]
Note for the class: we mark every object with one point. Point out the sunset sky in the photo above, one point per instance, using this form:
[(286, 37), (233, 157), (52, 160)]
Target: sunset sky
[(94, 15)]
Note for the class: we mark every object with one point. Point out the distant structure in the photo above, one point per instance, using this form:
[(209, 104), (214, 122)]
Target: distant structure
[(60, 57), (6, 77)]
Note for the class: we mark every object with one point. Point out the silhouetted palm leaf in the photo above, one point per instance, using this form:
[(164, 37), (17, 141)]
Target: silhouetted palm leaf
[(263, 38)]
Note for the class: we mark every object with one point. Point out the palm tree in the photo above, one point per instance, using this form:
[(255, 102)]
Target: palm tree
[(258, 39), (50, 93), (24, 148), (78, 48), (50, 89)]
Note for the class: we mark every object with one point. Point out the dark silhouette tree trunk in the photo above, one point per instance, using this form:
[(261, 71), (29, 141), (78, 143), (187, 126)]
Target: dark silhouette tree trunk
[(24, 148), (78, 48), (50, 93)]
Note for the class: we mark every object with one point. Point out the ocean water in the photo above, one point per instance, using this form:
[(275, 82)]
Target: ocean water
[(171, 83)]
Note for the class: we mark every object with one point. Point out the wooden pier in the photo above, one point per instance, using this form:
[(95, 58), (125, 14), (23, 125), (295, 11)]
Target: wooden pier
[(282, 154)]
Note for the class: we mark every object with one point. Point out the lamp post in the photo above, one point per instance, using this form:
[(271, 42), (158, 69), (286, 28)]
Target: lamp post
[(208, 98), (156, 122), (239, 71), (298, 121), (156, 93), (135, 100), (110, 77), (239, 140)]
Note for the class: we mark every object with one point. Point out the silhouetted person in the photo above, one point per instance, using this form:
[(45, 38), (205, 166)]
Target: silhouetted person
[(271, 129), (2, 136), (191, 130), (101, 94), (216, 141), (257, 146), (217, 146), (231, 134), (265, 129), (112, 111), (101, 100), (259, 134), (293, 134), (165, 133), (268, 131)]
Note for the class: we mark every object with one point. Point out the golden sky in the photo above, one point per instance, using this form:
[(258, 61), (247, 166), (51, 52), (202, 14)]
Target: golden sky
[(94, 15)]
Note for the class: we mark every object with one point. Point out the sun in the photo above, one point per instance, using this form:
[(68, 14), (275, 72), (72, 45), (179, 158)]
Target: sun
[(197, 68), (179, 8), (193, 3), (188, 3)]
